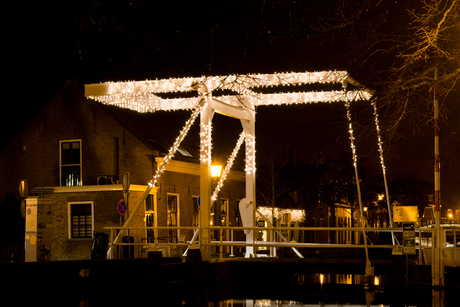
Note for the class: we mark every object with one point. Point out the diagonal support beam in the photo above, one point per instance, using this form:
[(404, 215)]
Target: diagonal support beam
[(159, 171)]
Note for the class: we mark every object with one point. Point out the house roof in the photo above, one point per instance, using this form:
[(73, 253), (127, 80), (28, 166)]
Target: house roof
[(160, 129)]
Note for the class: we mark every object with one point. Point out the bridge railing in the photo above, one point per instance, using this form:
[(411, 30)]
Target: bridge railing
[(423, 236)]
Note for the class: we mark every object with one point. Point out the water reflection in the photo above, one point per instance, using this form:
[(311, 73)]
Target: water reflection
[(278, 303), (346, 279), (341, 295), (437, 301)]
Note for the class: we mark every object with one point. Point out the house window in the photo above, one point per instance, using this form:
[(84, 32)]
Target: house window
[(173, 217), (150, 218), (70, 163), (81, 220), (223, 211), (237, 214), (196, 212)]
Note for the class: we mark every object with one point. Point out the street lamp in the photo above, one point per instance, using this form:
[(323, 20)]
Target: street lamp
[(216, 171)]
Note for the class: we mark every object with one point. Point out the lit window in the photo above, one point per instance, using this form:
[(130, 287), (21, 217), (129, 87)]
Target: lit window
[(80, 220), (173, 216), (70, 163), (224, 211)]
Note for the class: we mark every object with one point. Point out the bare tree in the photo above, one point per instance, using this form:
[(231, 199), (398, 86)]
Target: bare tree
[(270, 182), (391, 46), (432, 42)]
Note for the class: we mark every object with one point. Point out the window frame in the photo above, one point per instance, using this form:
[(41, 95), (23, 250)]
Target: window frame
[(150, 216), (226, 213), (170, 231), (69, 219), (60, 160)]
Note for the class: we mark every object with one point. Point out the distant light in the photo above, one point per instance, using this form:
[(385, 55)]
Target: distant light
[(321, 279)]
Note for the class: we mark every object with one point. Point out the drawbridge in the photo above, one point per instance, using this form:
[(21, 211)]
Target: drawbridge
[(236, 96)]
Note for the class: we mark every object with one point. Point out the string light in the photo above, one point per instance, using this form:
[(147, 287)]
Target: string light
[(297, 215), (379, 140), (146, 102), (250, 153), (205, 143), (176, 144), (350, 131), (230, 82), (229, 165), (140, 95)]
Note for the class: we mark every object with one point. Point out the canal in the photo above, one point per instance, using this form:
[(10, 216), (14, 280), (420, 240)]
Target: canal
[(143, 282), (236, 295)]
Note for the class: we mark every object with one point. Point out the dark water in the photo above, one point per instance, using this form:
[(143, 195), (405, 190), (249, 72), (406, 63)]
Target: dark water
[(307, 290)]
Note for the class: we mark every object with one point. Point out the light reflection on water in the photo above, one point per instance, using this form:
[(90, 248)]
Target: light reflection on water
[(334, 290), (313, 290), (281, 303), (347, 279), (437, 301)]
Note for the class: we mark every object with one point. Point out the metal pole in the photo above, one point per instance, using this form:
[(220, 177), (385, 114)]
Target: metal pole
[(455, 247), (369, 268), (420, 249), (221, 248), (376, 116), (231, 247), (437, 184)]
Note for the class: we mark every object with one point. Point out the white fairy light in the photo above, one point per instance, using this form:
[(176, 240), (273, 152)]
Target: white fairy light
[(228, 167), (176, 144), (147, 102), (250, 153), (205, 143), (350, 131), (216, 82), (140, 95), (379, 140), (297, 215)]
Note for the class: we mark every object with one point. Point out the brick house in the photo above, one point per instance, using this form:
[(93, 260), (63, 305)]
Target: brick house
[(73, 156)]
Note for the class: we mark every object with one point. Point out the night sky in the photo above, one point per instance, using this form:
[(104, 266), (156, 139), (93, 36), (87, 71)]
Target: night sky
[(96, 41)]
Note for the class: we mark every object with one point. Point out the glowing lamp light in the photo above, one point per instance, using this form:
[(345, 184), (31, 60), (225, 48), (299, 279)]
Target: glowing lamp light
[(216, 171)]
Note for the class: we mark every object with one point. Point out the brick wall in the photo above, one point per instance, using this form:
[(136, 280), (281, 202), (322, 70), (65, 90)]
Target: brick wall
[(105, 215)]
